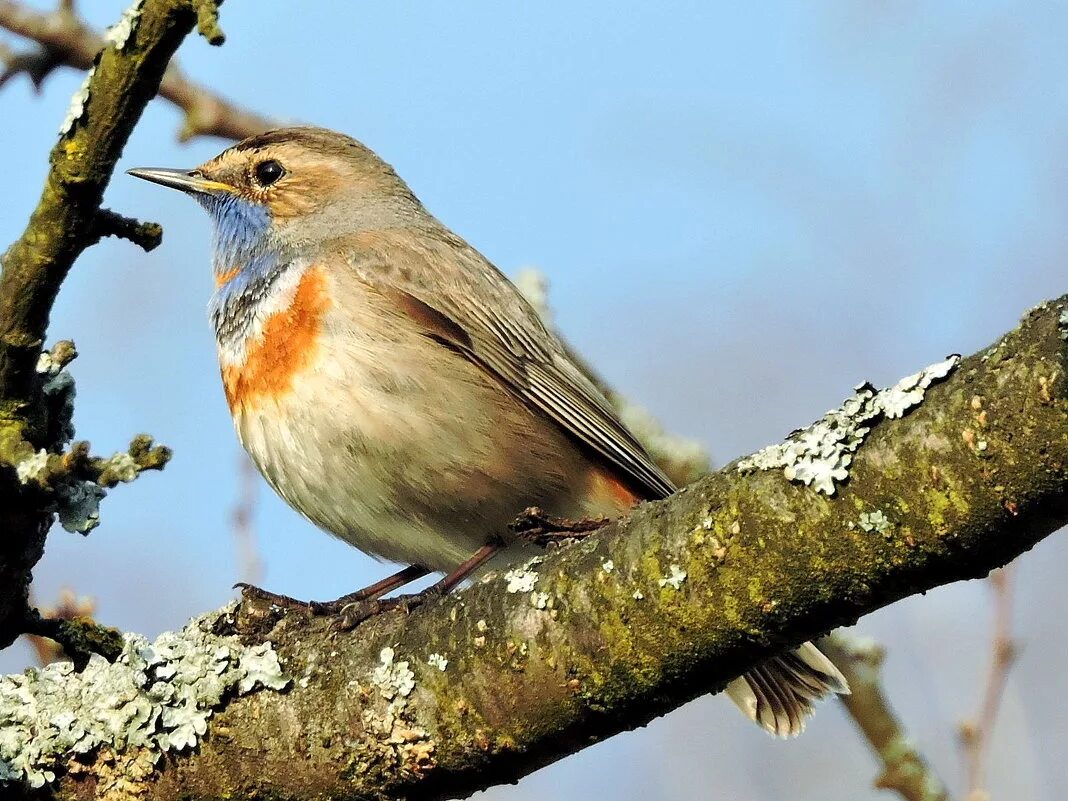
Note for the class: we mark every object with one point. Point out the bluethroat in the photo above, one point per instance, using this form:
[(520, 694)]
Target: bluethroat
[(397, 390)]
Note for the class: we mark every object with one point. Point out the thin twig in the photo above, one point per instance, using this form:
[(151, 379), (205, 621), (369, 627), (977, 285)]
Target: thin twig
[(975, 734), (68, 631), (146, 235), (904, 769), (250, 566), (70, 41), (68, 607)]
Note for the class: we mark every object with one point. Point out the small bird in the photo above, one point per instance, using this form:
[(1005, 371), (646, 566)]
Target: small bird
[(397, 390)]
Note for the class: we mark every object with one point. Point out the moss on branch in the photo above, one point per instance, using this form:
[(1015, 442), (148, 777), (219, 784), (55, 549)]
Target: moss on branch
[(667, 604)]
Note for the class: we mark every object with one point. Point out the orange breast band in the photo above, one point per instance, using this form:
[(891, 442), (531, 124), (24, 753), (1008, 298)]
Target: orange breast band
[(288, 344)]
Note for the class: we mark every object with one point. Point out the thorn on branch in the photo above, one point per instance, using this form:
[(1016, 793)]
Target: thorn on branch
[(36, 64), (146, 235), (208, 21)]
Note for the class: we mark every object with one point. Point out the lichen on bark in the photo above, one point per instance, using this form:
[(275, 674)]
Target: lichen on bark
[(702, 586)]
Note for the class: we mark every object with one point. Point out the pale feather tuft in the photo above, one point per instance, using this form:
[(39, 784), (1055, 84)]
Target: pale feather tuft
[(779, 694)]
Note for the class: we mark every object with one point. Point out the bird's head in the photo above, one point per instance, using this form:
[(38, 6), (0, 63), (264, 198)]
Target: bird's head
[(289, 189)]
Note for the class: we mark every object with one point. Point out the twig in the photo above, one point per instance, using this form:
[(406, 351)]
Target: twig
[(79, 638), (975, 734), (68, 40), (146, 235), (534, 525), (69, 607), (904, 769)]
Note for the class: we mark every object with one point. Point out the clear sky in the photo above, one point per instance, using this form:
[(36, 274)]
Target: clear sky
[(743, 210)]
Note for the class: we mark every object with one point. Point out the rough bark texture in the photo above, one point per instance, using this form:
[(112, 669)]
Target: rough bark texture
[(661, 607)]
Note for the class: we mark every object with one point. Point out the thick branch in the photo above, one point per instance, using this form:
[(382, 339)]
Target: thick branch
[(486, 686), (68, 40)]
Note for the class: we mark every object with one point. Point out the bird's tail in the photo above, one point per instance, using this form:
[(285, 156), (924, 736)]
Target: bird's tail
[(779, 694)]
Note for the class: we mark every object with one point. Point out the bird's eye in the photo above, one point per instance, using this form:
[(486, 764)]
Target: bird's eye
[(268, 172)]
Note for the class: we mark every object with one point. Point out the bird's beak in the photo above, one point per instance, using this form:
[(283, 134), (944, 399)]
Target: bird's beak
[(182, 180)]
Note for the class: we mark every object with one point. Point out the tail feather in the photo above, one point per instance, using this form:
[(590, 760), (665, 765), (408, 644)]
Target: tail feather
[(779, 694)]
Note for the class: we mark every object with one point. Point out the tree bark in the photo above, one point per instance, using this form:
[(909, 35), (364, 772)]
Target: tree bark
[(664, 605)]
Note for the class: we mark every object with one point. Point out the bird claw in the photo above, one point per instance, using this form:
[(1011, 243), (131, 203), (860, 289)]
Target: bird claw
[(352, 614), (250, 592)]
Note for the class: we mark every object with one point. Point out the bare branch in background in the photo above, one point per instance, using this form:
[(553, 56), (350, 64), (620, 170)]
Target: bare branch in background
[(904, 769), (250, 565), (65, 39), (975, 734)]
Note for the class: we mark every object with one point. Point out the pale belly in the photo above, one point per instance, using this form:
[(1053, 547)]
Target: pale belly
[(387, 439), (411, 465)]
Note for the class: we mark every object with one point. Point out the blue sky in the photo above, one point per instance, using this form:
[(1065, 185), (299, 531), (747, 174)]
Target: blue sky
[(743, 210)]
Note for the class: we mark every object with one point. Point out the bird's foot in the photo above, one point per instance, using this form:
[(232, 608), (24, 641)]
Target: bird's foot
[(535, 526), (353, 613), (253, 593)]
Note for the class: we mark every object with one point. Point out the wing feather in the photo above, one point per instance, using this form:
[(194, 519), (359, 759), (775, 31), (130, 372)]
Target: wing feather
[(477, 312)]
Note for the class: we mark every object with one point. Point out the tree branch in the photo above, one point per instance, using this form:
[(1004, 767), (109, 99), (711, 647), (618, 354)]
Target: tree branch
[(35, 403), (66, 39), (665, 605), (904, 770), (976, 733)]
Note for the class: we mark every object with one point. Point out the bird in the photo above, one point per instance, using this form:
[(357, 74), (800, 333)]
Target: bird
[(396, 389)]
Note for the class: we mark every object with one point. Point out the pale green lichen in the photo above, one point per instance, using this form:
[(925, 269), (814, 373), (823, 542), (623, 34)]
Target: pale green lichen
[(1062, 322), (119, 33), (438, 661), (674, 578), (876, 521), (392, 678), (539, 600), (78, 505), (522, 579), (608, 565), (157, 696), (77, 104), (30, 469), (121, 467), (820, 455)]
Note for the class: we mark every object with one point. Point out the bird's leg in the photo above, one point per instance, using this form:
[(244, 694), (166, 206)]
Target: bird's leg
[(370, 592), (533, 525), (357, 611)]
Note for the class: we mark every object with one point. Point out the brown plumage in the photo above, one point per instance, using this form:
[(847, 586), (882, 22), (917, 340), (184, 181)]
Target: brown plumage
[(395, 388)]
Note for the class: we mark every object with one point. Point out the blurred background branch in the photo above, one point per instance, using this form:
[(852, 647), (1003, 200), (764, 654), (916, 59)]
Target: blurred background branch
[(904, 769), (976, 733), (62, 38)]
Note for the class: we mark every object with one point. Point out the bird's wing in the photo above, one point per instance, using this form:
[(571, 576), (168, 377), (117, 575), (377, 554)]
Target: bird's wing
[(473, 309)]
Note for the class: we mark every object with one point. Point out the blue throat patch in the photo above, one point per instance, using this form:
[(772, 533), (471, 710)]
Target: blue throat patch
[(239, 243)]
